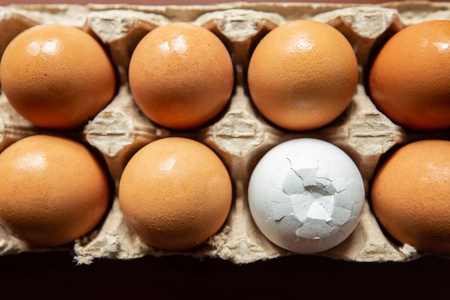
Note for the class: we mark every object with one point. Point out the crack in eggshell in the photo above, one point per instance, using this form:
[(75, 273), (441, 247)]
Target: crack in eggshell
[(363, 132), (319, 205)]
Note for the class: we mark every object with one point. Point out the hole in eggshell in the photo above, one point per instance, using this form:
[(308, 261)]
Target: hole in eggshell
[(272, 134)]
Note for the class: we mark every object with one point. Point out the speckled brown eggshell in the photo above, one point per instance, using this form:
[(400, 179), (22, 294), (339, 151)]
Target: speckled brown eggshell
[(181, 75), (175, 193), (411, 195), (57, 76), (410, 77), (302, 75), (53, 190)]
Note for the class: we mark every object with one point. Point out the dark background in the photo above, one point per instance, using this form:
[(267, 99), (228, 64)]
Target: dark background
[(56, 276)]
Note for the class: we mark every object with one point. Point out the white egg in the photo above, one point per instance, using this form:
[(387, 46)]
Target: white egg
[(306, 195)]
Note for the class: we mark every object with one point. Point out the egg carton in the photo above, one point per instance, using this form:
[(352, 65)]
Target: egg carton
[(240, 135)]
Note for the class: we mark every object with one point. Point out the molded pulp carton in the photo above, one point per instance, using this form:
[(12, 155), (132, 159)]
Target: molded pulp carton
[(240, 135)]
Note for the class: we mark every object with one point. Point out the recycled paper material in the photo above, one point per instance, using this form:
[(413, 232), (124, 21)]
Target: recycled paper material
[(240, 135)]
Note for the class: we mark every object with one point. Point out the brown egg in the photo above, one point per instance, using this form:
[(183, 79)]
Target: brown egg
[(302, 75), (410, 195), (53, 190), (57, 76), (181, 75), (410, 78), (175, 193)]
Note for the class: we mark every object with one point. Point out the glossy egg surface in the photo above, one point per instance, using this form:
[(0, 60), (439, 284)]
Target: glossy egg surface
[(410, 195), (181, 75), (53, 190), (302, 75), (175, 193), (57, 76), (410, 77)]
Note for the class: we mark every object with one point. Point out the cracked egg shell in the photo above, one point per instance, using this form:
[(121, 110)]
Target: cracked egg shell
[(53, 190), (411, 195), (302, 75), (57, 76), (306, 195), (175, 193), (181, 75), (410, 78)]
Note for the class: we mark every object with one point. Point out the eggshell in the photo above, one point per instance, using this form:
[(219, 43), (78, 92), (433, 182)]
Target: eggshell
[(302, 75), (181, 75), (306, 195), (57, 76), (175, 193), (410, 195), (410, 78), (239, 134), (53, 190)]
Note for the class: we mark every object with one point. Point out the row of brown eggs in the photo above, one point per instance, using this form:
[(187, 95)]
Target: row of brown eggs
[(169, 102), (410, 83), (48, 63)]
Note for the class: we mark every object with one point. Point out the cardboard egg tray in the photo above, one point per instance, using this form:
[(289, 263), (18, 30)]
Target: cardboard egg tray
[(240, 135)]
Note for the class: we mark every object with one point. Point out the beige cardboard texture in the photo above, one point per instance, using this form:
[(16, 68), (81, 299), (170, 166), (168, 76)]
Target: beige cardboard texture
[(240, 135)]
